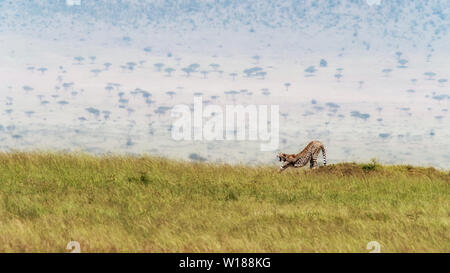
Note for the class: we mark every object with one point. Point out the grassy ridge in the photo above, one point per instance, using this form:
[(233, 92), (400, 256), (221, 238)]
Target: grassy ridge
[(118, 204)]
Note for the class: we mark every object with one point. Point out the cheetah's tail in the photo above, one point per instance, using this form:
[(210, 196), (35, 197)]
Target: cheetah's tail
[(324, 153)]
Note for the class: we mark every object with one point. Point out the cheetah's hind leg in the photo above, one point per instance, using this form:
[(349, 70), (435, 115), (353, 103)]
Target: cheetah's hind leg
[(313, 162)]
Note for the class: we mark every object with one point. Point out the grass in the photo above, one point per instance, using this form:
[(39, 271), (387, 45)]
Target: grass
[(144, 204)]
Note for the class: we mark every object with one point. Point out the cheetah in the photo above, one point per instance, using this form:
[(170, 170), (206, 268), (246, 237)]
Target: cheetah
[(309, 154)]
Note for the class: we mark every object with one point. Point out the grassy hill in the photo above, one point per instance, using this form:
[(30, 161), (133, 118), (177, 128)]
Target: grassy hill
[(130, 204)]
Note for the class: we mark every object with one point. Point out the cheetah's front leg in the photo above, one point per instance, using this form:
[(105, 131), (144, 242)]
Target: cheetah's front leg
[(285, 166)]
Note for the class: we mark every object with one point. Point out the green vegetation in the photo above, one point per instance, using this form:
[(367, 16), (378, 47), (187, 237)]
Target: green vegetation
[(144, 204)]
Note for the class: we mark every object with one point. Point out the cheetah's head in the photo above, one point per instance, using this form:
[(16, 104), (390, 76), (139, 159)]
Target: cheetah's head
[(281, 157)]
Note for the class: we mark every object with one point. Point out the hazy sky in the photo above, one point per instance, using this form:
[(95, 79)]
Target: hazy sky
[(370, 81)]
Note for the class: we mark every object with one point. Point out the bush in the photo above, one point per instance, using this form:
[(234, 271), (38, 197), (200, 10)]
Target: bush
[(372, 166)]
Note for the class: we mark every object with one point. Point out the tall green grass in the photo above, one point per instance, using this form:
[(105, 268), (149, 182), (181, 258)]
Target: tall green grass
[(144, 204)]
